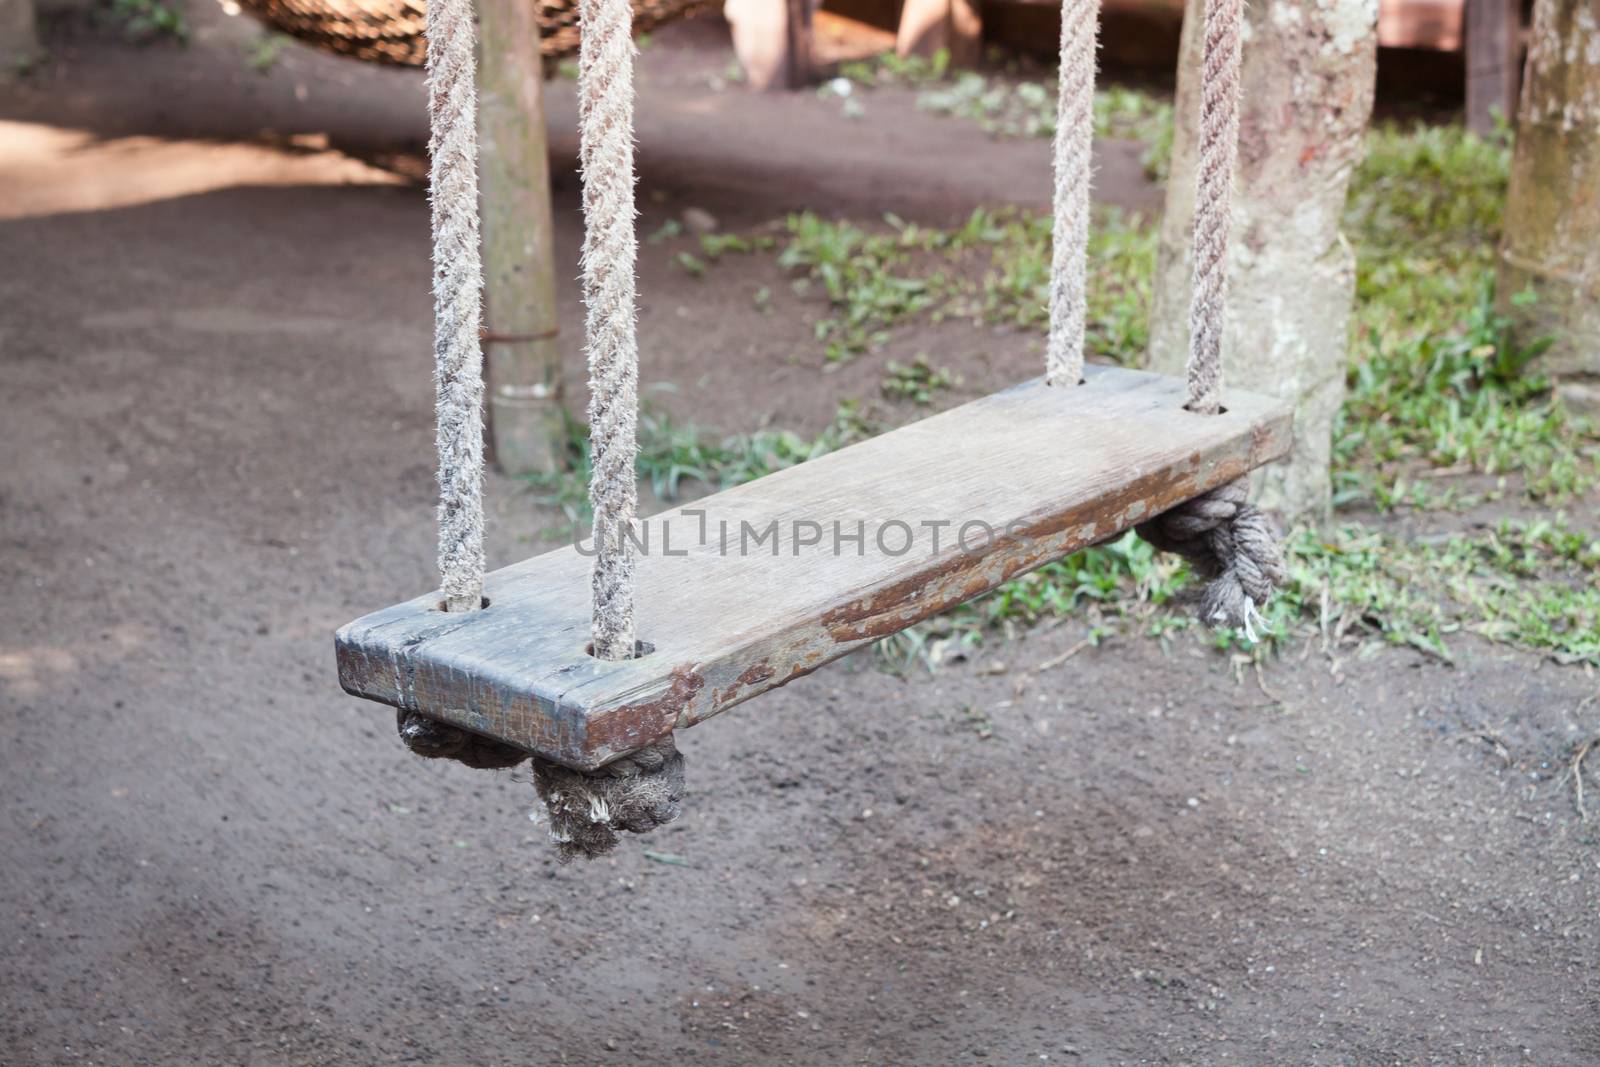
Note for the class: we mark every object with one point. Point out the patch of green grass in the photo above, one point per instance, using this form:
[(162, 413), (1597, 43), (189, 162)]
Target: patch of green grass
[(1435, 376), (866, 278), (1015, 288), (994, 268), (1429, 189), (691, 264), (1530, 585), (1522, 583), (890, 69)]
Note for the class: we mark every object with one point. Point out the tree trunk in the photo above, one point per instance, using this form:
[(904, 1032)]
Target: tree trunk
[(522, 352), (1307, 85), (1552, 223)]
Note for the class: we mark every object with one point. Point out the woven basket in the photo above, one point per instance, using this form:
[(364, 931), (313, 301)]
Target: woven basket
[(390, 31)]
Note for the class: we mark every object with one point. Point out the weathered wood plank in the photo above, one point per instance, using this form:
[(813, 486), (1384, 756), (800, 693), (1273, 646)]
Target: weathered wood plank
[(760, 584)]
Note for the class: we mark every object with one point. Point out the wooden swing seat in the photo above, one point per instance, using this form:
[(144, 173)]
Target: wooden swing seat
[(724, 617)]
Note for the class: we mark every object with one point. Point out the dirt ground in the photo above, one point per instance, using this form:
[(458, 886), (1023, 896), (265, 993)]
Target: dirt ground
[(216, 425)]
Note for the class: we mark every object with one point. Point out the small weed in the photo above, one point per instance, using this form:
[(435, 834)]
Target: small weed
[(691, 264), (264, 52), (978, 721), (146, 20), (717, 245), (891, 69), (917, 382), (669, 229)]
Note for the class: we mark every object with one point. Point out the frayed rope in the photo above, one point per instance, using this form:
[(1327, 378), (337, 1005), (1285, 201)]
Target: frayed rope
[(1232, 544), (587, 809), (637, 793)]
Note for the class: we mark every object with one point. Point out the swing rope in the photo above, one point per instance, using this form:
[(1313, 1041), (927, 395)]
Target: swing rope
[(643, 790), (1073, 146), (610, 247), (1227, 540), (1213, 206), (457, 300)]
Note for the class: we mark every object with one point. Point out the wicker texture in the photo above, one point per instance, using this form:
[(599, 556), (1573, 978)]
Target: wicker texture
[(390, 31)]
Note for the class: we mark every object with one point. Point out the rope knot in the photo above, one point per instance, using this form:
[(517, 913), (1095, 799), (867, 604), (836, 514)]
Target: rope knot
[(1232, 544), (432, 739), (637, 793)]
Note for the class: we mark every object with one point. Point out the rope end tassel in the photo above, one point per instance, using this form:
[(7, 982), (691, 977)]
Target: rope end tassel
[(635, 794), (1231, 543)]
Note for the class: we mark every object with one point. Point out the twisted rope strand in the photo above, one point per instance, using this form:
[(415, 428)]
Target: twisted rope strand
[(605, 108), (1074, 141), (1219, 153), (457, 300)]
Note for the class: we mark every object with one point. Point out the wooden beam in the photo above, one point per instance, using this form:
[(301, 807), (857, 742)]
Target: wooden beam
[(522, 349), (760, 584), (926, 26), (1493, 42), (772, 40)]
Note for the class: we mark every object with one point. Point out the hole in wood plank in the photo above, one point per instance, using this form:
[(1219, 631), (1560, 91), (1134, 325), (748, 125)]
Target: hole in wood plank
[(641, 649), (441, 606)]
